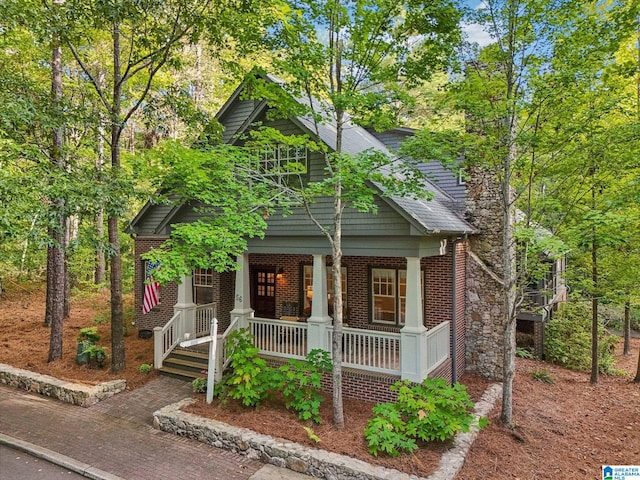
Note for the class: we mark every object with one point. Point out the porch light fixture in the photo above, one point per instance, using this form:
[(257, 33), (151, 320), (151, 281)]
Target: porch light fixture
[(280, 273)]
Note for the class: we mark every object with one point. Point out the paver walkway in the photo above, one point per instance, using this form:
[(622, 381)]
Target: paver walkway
[(117, 436)]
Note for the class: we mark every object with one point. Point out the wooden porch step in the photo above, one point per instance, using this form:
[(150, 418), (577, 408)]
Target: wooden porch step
[(190, 354), (185, 364), (179, 373)]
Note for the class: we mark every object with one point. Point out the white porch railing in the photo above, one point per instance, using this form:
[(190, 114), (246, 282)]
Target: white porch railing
[(223, 361), (204, 315), (370, 350), (438, 346), (166, 339), (279, 338)]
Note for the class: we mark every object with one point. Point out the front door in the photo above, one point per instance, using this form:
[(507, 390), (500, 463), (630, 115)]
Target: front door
[(264, 292)]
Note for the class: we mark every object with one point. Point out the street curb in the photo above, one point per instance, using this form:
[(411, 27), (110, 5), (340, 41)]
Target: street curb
[(63, 461)]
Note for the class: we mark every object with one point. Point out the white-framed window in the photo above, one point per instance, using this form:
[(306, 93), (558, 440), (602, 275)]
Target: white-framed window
[(307, 288), (278, 161), (203, 286), (389, 295)]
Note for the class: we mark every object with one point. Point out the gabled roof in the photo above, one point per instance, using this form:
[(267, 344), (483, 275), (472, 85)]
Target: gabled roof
[(429, 216)]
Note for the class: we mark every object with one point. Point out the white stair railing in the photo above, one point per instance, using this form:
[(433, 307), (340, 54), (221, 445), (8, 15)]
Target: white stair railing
[(166, 338), (222, 361)]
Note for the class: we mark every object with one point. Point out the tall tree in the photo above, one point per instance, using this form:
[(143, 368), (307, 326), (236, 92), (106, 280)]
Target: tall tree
[(361, 56), (143, 39), (56, 271)]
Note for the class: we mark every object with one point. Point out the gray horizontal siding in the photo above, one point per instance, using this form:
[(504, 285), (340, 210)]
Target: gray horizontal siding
[(154, 215), (235, 117), (386, 222)]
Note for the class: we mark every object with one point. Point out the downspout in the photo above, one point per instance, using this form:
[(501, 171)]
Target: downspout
[(454, 315)]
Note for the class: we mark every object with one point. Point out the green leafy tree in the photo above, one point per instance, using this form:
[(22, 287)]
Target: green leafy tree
[(143, 38), (354, 61)]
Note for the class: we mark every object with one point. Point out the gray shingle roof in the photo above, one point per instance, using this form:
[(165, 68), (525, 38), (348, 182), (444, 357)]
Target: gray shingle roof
[(432, 216)]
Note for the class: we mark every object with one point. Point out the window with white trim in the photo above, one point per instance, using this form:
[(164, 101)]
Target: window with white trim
[(307, 289), (203, 286), (389, 295)]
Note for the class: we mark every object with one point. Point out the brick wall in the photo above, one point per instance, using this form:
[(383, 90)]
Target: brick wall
[(438, 285), (163, 312)]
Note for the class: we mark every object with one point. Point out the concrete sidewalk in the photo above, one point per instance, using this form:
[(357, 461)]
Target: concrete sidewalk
[(115, 438)]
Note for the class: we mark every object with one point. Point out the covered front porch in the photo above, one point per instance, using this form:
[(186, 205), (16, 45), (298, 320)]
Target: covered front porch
[(411, 353)]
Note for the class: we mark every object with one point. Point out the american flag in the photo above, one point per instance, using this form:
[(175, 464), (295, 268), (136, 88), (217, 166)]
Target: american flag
[(151, 288)]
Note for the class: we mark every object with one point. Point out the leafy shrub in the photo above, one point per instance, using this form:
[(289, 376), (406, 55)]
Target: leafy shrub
[(568, 340), (89, 334), (524, 353), (251, 380), (250, 377), (542, 376), (301, 382), (145, 368), (199, 385), (432, 410)]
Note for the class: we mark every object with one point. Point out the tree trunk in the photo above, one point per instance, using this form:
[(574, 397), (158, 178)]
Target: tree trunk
[(594, 283), (336, 347), (55, 253), (117, 321), (637, 377), (509, 278), (54, 313), (100, 263), (67, 278), (336, 271), (627, 326)]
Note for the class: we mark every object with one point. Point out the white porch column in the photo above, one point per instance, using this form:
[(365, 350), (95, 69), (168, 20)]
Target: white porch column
[(413, 336), (319, 323), (242, 299), (186, 305)]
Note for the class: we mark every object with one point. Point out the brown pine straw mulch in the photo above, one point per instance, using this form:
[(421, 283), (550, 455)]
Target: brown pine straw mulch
[(24, 339), (565, 430)]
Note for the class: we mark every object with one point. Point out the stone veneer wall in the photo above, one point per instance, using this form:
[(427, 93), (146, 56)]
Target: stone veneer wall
[(485, 310), (73, 393)]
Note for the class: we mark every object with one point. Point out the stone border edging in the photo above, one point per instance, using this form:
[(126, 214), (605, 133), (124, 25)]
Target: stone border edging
[(68, 392), (310, 461), (63, 461)]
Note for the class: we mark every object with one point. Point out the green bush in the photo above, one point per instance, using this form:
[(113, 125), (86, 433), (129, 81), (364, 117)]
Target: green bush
[(249, 379), (199, 385), (145, 368), (432, 410), (568, 339), (89, 334), (301, 382)]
